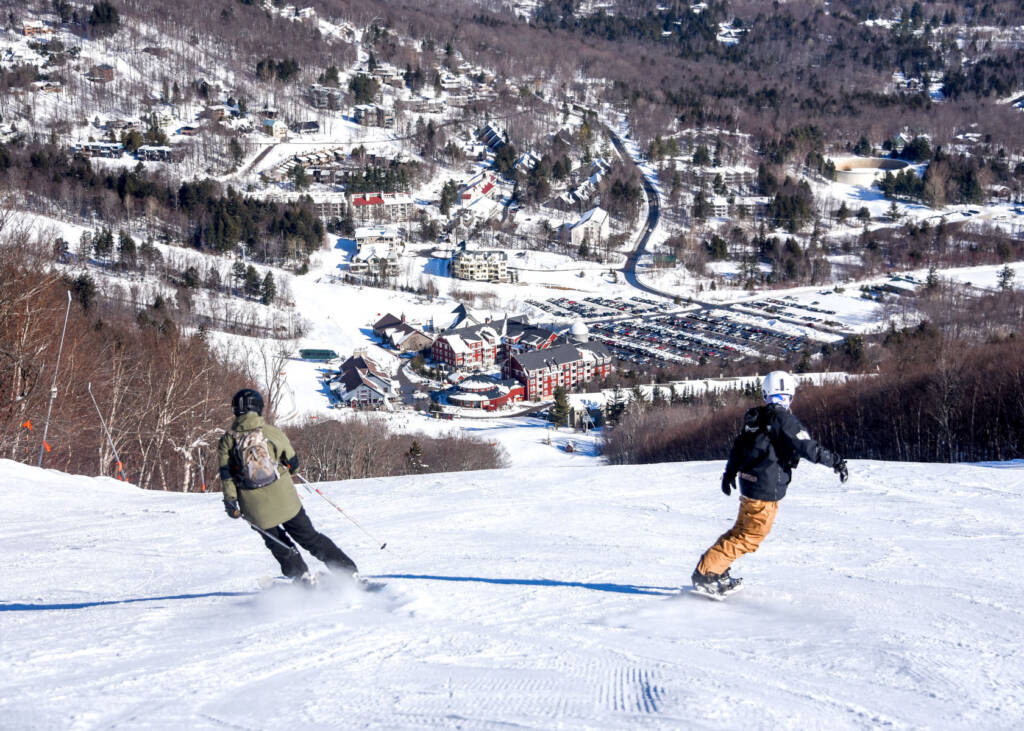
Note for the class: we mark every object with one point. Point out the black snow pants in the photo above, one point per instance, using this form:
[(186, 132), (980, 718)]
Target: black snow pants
[(301, 529)]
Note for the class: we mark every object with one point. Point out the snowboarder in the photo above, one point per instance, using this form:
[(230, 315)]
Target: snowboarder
[(256, 464), (763, 457)]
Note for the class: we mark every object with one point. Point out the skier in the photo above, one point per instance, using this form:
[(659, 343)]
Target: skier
[(256, 465), (763, 456)]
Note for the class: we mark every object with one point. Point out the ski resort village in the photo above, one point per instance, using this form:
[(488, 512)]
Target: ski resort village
[(479, 364)]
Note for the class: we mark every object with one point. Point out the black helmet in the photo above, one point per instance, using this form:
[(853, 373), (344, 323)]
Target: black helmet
[(247, 400)]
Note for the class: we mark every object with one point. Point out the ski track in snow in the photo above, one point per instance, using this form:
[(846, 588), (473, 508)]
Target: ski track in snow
[(533, 599)]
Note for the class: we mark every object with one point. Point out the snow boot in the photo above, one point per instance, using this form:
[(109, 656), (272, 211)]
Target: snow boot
[(721, 584), (308, 581), (727, 584), (706, 583)]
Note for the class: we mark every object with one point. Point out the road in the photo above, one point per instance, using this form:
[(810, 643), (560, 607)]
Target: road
[(653, 216)]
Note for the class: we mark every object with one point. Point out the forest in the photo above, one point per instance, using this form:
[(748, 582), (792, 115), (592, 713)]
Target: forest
[(201, 213), (162, 392)]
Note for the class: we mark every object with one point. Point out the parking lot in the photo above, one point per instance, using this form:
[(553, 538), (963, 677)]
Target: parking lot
[(656, 334), (591, 308), (691, 338)]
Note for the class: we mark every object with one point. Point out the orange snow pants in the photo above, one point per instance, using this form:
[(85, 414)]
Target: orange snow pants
[(753, 524)]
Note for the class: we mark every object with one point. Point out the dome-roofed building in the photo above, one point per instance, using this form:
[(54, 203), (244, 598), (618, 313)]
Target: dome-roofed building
[(579, 332)]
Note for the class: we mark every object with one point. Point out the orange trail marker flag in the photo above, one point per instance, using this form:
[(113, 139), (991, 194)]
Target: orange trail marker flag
[(28, 424), (46, 446)]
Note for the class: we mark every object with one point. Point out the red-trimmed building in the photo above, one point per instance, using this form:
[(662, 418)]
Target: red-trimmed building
[(373, 208), (480, 346), (485, 393), (482, 185), (541, 371)]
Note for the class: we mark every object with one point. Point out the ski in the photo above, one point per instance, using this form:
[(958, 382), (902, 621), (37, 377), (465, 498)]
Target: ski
[(268, 582), (364, 584), (322, 580)]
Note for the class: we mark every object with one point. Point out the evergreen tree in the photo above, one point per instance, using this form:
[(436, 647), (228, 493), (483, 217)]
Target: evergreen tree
[(235, 149), (449, 196), (238, 274), (637, 401), (85, 290), (560, 409), (103, 18), (252, 281), (297, 174), (213, 280), (364, 88), (701, 207), (127, 252), (616, 405), (268, 290), (1006, 277), (191, 278), (415, 457), (103, 244)]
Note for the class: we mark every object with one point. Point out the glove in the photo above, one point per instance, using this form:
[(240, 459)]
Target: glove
[(231, 508), (840, 469), (728, 483)]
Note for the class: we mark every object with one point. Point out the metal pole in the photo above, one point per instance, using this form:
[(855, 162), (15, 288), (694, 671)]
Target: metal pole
[(278, 541), (113, 449), (53, 388), (311, 489)]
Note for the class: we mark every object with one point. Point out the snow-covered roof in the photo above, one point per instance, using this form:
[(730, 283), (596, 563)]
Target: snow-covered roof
[(381, 232), (458, 345), (379, 199), (372, 251), (595, 215)]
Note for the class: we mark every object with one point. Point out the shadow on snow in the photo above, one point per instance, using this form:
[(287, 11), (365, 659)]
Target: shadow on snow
[(614, 588), (15, 607)]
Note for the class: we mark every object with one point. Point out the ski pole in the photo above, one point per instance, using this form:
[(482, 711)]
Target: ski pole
[(278, 541), (312, 488), (113, 449)]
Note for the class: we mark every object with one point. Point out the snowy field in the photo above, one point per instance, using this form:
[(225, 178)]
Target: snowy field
[(520, 598)]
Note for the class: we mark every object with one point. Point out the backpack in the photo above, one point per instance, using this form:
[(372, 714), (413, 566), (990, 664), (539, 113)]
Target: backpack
[(755, 444), (252, 455)]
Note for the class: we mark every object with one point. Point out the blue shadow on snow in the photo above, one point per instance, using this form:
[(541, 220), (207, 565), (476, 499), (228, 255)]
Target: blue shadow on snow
[(614, 588), (14, 607)]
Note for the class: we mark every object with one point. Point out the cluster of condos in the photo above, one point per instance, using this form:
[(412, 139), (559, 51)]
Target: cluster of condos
[(533, 362), (537, 359)]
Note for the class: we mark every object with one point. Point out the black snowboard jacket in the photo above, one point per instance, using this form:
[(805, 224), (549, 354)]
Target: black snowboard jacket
[(769, 447)]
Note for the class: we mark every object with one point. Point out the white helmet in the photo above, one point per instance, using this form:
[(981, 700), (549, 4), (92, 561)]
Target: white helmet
[(778, 382)]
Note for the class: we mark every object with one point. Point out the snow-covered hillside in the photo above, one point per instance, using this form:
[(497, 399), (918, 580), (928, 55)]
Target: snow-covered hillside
[(523, 598)]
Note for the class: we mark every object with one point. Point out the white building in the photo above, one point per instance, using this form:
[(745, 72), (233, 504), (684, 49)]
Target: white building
[(375, 259), (386, 235), (592, 228), (275, 128), (378, 207), (362, 383), (480, 266)]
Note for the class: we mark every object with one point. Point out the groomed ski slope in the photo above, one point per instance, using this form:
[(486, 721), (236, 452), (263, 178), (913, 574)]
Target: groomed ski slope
[(521, 598)]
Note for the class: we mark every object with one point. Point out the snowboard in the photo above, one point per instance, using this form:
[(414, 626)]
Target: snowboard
[(715, 595)]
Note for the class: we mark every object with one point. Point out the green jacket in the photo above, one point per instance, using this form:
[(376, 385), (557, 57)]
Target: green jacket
[(265, 506)]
